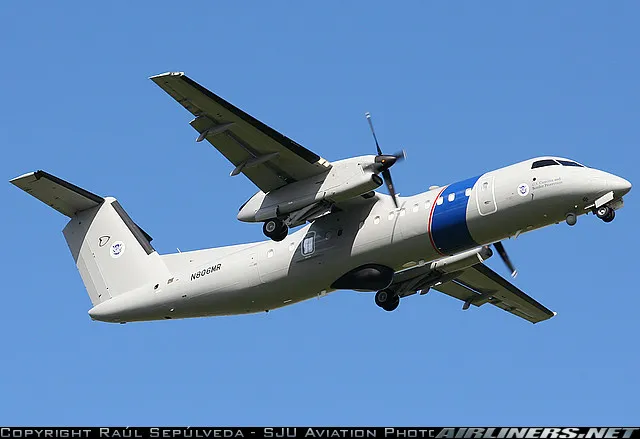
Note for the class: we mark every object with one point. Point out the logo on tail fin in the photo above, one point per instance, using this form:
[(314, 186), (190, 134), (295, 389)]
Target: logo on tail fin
[(117, 249)]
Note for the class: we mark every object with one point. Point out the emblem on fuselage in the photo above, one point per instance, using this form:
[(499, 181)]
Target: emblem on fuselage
[(523, 190), (102, 241), (117, 249)]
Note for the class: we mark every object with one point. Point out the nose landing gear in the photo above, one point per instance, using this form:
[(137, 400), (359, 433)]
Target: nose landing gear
[(387, 300), (275, 229), (605, 213)]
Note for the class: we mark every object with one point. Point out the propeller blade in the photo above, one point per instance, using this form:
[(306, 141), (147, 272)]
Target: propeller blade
[(386, 175), (368, 116), (505, 258)]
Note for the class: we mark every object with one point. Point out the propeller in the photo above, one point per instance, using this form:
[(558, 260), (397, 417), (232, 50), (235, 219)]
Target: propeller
[(505, 258), (384, 161)]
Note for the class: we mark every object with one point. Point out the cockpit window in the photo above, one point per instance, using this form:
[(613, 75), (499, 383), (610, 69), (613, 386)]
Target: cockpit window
[(543, 163), (570, 163)]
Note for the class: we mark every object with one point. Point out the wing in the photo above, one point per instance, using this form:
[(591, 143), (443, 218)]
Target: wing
[(475, 285), (269, 159)]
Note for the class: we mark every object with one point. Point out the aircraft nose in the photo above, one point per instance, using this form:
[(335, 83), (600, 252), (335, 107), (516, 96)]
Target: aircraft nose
[(619, 185)]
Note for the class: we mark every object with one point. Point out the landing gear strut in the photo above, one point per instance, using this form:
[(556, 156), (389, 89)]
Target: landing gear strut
[(387, 300), (275, 229), (605, 213)]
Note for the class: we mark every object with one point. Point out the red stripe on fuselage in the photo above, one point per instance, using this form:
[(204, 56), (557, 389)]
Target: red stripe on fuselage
[(433, 207)]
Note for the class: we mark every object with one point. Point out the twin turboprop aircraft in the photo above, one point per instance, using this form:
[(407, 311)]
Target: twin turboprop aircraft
[(353, 237)]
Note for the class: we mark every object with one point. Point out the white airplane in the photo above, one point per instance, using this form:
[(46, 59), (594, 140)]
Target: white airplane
[(354, 238)]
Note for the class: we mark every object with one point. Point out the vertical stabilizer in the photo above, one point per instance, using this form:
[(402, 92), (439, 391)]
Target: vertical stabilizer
[(112, 254)]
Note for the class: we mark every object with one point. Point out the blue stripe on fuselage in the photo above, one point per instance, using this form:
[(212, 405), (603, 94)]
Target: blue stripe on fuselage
[(449, 230)]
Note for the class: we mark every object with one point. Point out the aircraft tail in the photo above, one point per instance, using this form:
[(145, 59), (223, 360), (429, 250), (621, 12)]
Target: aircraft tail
[(112, 254)]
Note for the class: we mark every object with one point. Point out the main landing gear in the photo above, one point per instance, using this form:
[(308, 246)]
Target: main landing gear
[(275, 229), (387, 300), (605, 213)]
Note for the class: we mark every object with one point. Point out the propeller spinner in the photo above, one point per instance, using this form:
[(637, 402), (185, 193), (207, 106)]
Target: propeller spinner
[(385, 161)]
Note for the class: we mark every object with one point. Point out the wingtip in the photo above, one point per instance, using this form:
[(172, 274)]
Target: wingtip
[(20, 177), (164, 75)]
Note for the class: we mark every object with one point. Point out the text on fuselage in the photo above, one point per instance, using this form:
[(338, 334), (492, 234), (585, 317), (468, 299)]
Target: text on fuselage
[(205, 271)]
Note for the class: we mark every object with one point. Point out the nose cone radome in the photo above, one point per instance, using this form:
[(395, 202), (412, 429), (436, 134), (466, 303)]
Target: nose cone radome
[(619, 185)]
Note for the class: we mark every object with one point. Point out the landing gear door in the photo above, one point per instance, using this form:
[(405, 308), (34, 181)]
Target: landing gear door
[(486, 198)]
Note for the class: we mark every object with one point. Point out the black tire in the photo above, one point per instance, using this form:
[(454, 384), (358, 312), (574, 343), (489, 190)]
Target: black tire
[(275, 229), (610, 217), (282, 233), (382, 297), (393, 305), (271, 227), (387, 300), (604, 212)]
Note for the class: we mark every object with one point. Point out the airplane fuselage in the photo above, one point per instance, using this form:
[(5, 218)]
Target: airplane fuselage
[(443, 221)]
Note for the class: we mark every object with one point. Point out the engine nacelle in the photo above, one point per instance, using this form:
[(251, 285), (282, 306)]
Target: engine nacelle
[(370, 277), (346, 179), (462, 260)]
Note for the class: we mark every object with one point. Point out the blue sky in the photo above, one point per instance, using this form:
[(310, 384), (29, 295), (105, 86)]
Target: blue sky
[(464, 87)]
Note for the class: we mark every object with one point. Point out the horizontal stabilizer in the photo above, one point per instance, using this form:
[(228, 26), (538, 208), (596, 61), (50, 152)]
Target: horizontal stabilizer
[(65, 197)]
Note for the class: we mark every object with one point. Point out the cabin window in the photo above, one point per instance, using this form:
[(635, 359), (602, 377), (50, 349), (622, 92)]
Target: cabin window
[(308, 244), (543, 163), (292, 246), (570, 163), (467, 192), (427, 205), (270, 253), (451, 197), (440, 201), (391, 215), (416, 207), (361, 225), (376, 220), (402, 212)]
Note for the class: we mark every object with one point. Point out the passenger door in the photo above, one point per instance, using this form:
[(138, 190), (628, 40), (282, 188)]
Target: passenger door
[(486, 197)]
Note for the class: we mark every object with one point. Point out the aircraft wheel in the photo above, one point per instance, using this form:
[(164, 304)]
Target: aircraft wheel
[(275, 229), (282, 233), (610, 216), (605, 213), (392, 305), (387, 300), (382, 297)]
